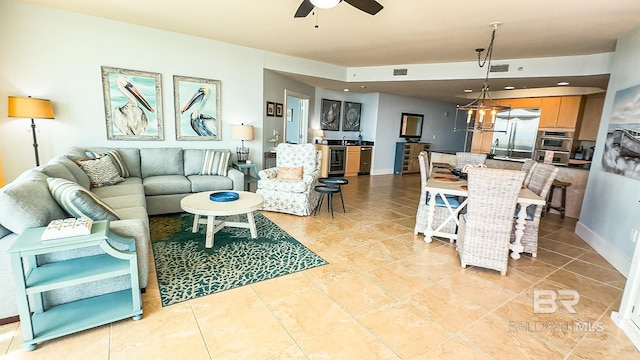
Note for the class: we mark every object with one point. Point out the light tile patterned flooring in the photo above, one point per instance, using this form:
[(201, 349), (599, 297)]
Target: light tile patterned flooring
[(386, 294)]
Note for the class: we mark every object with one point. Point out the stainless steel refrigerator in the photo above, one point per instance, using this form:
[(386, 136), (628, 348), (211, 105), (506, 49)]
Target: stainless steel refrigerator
[(516, 132)]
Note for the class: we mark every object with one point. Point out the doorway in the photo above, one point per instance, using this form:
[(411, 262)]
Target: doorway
[(296, 117)]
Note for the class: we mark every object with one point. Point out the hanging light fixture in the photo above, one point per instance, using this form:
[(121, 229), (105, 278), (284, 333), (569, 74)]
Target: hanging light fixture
[(325, 4), (480, 114)]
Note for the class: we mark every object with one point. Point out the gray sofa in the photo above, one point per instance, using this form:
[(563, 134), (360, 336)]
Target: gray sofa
[(158, 178)]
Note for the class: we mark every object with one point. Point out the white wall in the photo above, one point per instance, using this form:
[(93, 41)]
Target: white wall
[(611, 206)]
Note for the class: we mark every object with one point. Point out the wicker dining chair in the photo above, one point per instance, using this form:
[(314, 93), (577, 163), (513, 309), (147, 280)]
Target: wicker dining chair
[(485, 230), (527, 168), (541, 178), (467, 158), (423, 207)]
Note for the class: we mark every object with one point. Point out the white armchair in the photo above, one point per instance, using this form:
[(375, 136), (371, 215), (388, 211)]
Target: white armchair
[(291, 195)]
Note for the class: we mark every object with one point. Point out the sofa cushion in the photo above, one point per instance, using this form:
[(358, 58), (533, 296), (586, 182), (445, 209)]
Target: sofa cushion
[(27, 203), (80, 202), (79, 176), (215, 162), (115, 157), (161, 161), (130, 157), (56, 170), (120, 189), (201, 183), (166, 185), (101, 171), (125, 201), (289, 173)]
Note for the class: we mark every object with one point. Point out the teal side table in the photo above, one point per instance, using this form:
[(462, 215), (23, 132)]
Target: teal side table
[(32, 280), (248, 177)]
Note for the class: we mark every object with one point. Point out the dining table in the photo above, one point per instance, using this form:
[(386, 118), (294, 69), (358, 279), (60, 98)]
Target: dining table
[(443, 183)]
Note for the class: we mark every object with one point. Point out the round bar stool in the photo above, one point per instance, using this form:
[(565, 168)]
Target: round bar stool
[(329, 191), (336, 182), (562, 185)]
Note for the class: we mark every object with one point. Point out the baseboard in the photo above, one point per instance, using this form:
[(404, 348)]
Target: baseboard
[(604, 248), (9, 320), (629, 328)]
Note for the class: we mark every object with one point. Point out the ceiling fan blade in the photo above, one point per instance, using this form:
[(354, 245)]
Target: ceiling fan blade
[(304, 9), (369, 6)]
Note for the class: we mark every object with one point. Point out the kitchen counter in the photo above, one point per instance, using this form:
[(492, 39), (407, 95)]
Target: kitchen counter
[(576, 176)]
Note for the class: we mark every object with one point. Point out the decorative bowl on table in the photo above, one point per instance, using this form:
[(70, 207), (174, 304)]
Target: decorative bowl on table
[(224, 196)]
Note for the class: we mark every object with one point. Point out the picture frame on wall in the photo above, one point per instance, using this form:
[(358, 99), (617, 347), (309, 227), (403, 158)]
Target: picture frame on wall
[(132, 104), (351, 116), (271, 108), (330, 115), (279, 110), (196, 103)]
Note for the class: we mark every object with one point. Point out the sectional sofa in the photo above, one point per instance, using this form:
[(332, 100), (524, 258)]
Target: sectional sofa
[(148, 181)]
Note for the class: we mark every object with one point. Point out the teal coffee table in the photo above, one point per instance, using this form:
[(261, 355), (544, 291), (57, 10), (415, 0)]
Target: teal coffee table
[(40, 324)]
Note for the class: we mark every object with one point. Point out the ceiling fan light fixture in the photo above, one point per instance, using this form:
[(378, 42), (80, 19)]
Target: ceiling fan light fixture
[(325, 4)]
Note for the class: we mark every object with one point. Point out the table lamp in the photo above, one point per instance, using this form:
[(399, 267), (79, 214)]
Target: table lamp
[(28, 107), (242, 132)]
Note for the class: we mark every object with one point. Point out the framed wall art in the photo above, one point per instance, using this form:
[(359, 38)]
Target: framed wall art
[(330, 115), (197, 108), (279, 110), (271, 108), (132, 104), (351, 116), (622, 146)]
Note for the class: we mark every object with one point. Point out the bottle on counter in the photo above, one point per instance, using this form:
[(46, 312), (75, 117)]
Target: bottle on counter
[(360, 137)]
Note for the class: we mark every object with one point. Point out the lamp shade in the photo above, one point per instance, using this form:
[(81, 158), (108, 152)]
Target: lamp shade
[(27, 107), (319, 133), (242, 132)]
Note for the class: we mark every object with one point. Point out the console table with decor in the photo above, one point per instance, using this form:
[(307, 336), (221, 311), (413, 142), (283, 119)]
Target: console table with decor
[(248, 177), (40, 324)]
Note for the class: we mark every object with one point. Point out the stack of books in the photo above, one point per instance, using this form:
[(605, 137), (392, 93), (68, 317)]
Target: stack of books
[(63, 228)]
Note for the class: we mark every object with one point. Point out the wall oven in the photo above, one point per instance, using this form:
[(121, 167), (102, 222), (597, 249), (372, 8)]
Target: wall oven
[(554, 140), (337, 159), (557, 157)]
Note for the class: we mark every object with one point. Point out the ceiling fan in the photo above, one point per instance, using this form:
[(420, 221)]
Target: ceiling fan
[(369, 6)]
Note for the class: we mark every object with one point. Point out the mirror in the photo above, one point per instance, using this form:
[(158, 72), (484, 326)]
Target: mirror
[(411, 125)]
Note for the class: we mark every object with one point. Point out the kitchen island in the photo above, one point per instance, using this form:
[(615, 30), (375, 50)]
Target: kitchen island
[(576, 176)]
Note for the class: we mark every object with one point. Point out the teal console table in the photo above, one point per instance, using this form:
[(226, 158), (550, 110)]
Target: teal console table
[(248, 177), (39, 324)]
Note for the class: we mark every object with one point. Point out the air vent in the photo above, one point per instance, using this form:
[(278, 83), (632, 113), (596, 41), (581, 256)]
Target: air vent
[(399, 72), (500, 68)]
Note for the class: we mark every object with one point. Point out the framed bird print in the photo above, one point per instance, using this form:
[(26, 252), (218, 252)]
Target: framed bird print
[(330, 114), (132, 104), (197, 107)]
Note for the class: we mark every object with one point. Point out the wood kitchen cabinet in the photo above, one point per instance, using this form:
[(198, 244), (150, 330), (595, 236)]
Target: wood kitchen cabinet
[(407, 157), (590, 122), (352, 166), (482, 142), (561, 112)]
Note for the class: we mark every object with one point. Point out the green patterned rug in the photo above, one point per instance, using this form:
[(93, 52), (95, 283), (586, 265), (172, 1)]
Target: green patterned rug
[(187, 270)]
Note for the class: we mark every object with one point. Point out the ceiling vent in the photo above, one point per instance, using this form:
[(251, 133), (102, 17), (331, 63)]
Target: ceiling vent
[(500, 68), (399, 72)]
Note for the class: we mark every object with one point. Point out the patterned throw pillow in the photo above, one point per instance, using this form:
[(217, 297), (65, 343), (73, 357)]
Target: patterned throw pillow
[(78, 201), (215, 162), (101, 171), (289, 173), (115, 158)]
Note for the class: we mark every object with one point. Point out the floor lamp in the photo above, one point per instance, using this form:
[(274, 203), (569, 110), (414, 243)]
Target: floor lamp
[(242, 132), (28, 107)]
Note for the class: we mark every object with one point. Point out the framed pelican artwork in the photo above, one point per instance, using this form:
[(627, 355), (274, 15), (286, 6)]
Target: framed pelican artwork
[(330, 115), (132, 104), (197, 106)]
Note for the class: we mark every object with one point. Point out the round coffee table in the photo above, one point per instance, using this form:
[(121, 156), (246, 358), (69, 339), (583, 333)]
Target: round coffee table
[(200, 205)]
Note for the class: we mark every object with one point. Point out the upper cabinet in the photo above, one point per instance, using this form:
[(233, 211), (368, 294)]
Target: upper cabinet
[(561, 111), (591, 117)]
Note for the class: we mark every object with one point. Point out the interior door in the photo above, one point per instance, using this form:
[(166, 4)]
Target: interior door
[(296, 117)]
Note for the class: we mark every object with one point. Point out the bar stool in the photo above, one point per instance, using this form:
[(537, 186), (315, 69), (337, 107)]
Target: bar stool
[(335, 182), (325, 190), (562, 185)]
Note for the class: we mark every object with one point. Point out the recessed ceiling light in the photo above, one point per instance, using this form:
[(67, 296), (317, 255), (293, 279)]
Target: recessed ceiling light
[(509, 87), (468, 90), (563, 83), (346, 90), (362, 87)]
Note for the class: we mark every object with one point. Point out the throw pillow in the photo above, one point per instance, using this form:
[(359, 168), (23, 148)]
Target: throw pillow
[(115, 157), (78, 201), (101, 171), (289, 173), (215, 162)]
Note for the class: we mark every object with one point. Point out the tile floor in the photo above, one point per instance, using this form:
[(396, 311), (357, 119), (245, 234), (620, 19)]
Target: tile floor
[(386, 294)]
